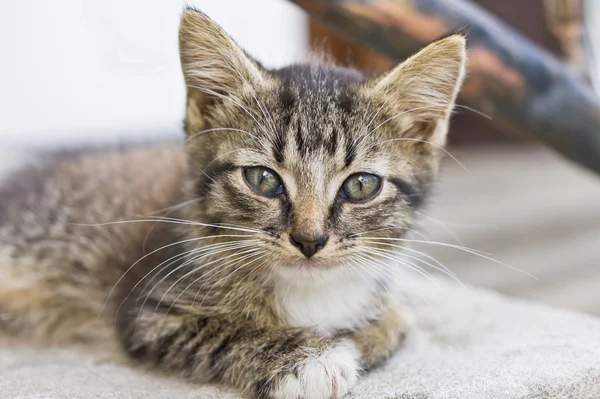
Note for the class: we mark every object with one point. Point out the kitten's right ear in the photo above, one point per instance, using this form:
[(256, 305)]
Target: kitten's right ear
[(214, 66)]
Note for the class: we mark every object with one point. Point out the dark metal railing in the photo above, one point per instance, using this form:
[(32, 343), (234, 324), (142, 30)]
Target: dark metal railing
[(509, 78)]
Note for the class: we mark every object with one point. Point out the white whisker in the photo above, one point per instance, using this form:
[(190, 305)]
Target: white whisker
[(472, 251), (151, 253), (259, 254), (403, 248), (443, 269), (430, 143), (219, 129), (399, 114), (229, 98), (167, 220), (396, 273), (195, 270), (473, 110), (391, 97), (198, 253), (174, 284), (227, 246), (367, 282), (411, 266)]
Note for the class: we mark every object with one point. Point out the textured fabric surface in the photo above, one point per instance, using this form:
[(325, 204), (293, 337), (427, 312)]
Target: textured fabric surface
[(468, 344)]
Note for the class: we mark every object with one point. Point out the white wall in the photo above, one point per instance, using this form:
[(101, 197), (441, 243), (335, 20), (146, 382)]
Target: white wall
[(85, 71), (592, 21)]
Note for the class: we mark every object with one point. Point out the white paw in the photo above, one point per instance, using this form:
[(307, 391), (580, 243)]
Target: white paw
[(329, 375)]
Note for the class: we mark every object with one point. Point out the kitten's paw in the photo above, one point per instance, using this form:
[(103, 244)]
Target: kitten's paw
[(329, 375)]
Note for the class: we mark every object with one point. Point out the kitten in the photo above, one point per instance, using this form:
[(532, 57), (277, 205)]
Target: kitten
[(270, 271)]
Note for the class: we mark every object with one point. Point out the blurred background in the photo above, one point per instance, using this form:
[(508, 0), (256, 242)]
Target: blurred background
[(77, 73)]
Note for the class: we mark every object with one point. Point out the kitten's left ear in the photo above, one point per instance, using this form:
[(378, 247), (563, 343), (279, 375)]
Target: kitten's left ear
[(424, 87), (214, 66)]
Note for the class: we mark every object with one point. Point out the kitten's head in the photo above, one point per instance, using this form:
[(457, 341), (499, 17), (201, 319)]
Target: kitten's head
[(321, 160)]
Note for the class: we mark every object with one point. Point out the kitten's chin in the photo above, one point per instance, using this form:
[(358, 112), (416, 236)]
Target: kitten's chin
[(310, 271), (310, 264)]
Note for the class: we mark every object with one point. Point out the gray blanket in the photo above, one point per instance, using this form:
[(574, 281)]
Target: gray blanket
[(469, 344)]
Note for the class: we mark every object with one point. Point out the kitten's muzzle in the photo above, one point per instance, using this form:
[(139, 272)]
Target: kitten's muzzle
[(306, 246)]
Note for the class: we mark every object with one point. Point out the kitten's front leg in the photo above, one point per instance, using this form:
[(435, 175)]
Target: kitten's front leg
[(277, 363), (379, 339)]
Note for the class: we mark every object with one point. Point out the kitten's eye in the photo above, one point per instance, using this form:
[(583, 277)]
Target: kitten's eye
[(361, 187), (263, 180)]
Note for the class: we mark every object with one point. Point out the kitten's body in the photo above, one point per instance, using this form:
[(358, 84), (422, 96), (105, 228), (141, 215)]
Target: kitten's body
[(58, 273), (218, 288)]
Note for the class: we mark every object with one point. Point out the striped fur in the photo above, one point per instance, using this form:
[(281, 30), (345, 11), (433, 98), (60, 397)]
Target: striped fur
[(215, 289)]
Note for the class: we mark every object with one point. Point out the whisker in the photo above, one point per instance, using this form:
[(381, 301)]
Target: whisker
[(458, 247), (287, 293), (217, 225), (430, 143), (396, 273), (257, 256), (473, 110), (392, 96), (174, 284), (169, 209), (458, 225), (382, 267), (195, 270), (266, 115), (411, 266), (228, 246), (454, 235), (367, 282), (400, 114), (442, 269), (238, 283), (249, 274), (228, 98), (443, 244), (219, 129), (203, 171), (166, 220), (198, 253), (403, 248), (379, 278), (230, 263), (151, 253), (402, 158), (408, 229)]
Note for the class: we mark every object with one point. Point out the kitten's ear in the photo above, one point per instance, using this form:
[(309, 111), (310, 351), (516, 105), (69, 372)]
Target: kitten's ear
[(214, 66), (424, 87)]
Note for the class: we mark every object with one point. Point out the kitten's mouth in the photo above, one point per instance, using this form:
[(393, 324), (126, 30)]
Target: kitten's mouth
[(309, 264)]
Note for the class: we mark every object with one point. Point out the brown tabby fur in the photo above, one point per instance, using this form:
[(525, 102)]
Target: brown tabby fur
[(217, 313)]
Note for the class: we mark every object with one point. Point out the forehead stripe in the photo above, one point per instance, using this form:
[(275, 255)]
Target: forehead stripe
[(278, 147), (350, 151), (302, 148), (332, 143)]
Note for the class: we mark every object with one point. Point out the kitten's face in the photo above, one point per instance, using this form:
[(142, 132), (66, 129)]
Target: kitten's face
[(318, 159)]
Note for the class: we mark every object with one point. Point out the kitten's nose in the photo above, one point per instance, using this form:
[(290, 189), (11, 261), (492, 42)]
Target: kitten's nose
[(306, 246)]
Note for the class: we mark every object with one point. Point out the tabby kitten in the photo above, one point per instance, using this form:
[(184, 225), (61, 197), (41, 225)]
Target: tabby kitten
[(246, 257)]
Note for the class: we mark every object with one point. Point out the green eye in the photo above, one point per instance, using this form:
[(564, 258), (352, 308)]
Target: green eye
[(361, 187), (263, 180)]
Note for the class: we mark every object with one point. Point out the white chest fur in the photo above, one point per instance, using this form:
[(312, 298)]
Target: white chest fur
[(329, 301)]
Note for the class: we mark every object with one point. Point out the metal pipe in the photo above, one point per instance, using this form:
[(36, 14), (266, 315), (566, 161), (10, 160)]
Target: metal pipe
[(509, 78)]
